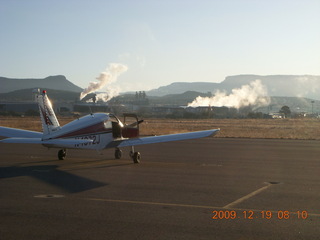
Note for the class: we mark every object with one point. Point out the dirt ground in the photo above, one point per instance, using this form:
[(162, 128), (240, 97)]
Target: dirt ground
[(232, 128)]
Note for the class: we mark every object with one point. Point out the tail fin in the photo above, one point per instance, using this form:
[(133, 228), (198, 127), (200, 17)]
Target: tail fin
[(48, 118)]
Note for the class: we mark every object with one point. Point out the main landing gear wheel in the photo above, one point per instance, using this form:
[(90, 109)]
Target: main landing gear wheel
[(136, 156), (118, 153), (62, 154)]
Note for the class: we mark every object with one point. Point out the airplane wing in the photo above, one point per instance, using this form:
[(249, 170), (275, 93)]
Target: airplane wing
[(162, 138), (16, 135), (61, 143), (15, 132)]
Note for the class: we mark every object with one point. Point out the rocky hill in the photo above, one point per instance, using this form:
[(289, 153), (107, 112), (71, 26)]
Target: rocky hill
[(53, 82), (181, 87), (26, 95)]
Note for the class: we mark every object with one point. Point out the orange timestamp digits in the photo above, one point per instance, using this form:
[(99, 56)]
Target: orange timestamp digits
[(265, 214), (224, 214)]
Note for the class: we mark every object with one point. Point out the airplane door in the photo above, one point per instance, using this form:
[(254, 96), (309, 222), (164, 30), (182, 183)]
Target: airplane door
[(131, 125), (115, 124), (116, 130)]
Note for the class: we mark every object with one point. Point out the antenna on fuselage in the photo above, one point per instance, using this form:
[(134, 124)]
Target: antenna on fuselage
[(91, 113)]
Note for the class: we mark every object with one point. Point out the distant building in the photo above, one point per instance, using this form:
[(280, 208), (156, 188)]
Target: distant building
[(19, 108), (277, 115), (90, 107)]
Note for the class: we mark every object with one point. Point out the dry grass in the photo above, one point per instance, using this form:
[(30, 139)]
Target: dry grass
[(235, 128), (28, 123), (240, 128)]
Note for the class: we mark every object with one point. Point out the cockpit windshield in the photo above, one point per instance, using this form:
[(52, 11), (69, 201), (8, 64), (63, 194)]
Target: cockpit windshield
[(111, 121)]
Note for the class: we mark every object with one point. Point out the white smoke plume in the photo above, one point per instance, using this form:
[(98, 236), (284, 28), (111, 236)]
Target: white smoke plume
[(252, 94), (108, 76)]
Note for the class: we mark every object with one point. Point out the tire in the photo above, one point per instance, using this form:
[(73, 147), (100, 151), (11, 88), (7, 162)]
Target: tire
[(118, 154), (136, 157), (62, 154)]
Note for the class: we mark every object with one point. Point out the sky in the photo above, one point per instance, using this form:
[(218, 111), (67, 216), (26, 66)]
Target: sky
[(160, 41)]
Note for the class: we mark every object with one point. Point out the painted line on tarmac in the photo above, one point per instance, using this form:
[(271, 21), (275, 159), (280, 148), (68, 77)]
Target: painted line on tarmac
[(250, 195), (190, 205), (149, 203)]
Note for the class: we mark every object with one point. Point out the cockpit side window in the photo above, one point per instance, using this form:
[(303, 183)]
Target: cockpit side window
[(108, 124)]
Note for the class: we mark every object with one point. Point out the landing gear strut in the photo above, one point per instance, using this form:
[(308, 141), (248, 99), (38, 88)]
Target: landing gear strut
[(62, 154)]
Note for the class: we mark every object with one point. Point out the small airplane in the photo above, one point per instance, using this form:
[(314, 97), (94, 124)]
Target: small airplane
[(94, 131)]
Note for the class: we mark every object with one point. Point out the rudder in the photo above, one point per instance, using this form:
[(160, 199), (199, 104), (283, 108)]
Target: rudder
[(49, 120)]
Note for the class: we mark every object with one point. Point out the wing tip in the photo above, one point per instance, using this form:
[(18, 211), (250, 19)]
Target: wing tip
[(213, 132)]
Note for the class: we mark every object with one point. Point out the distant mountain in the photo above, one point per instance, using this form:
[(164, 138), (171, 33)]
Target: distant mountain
[(307, 86), (53, 82), (181, 99), (26, 95), (181, 87)]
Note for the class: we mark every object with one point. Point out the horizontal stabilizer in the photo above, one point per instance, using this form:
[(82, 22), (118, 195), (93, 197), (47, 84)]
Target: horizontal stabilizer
[(163, 138), (14, 132), (67, 143)]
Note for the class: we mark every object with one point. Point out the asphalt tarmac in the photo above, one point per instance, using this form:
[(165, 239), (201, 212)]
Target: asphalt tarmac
[(211, 188)]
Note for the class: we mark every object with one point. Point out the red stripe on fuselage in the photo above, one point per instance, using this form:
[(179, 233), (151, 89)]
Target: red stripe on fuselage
[(93, 129)]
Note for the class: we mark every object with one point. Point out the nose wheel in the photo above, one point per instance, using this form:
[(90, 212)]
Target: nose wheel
[(62, 154)]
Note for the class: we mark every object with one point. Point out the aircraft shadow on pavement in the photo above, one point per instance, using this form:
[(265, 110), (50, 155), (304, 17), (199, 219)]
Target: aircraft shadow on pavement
[(51, 175)]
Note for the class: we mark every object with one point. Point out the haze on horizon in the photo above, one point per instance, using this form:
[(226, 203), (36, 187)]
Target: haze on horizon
[(159, 41)]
